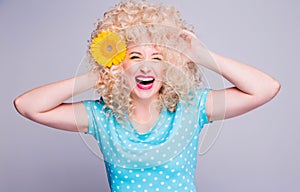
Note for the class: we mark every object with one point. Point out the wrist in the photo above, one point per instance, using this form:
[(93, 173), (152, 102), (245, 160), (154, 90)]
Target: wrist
[(92, 78), (85, 81)]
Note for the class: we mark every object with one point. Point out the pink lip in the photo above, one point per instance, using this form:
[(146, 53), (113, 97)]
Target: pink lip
[(143, 76), (144, 87)]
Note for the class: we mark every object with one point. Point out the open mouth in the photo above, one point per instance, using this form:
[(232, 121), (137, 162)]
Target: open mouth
[(144, 82)]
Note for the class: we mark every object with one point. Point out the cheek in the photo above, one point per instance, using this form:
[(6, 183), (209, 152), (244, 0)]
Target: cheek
[(126, 65), (159, 70), (128, 68), (129, 71)]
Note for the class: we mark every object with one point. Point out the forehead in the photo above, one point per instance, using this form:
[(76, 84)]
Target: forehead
[(143, 49)]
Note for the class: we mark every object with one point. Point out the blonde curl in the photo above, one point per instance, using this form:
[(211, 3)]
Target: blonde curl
[(141, 22)]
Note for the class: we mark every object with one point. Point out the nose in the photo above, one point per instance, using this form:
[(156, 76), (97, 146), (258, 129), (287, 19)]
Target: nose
[(145, 69)]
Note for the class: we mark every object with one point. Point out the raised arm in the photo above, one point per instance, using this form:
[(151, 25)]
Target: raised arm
[(251, 87), (45, 104)]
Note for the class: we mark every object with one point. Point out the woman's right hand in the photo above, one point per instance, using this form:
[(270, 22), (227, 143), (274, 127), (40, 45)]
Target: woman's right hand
[(45, 104)]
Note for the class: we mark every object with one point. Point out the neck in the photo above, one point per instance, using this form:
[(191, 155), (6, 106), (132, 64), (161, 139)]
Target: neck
[(145, 110)]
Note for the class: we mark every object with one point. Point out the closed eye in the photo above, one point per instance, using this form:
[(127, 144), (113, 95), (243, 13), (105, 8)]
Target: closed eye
[(158, 58), (135, 56)]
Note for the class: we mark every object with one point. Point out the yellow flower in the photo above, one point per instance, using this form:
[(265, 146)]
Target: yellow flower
[(108, 49)]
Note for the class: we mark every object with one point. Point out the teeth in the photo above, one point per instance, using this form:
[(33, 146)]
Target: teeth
[(144, 79)]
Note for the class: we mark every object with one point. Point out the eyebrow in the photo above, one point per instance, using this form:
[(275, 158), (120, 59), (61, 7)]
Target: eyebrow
[(156, 54), (134, 52)]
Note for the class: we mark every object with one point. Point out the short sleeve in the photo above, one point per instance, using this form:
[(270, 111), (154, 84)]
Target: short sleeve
[(92, 109), (202, 95)]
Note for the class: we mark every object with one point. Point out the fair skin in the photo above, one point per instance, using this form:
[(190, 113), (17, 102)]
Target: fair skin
[(142, 64), (251, 88)]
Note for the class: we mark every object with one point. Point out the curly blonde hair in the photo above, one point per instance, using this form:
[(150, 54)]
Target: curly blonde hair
[(141, 22)]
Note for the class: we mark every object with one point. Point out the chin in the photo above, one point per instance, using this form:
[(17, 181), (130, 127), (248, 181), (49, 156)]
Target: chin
[(145, 94)]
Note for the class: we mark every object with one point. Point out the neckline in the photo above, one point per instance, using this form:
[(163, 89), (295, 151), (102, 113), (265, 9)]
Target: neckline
[(153, 127)]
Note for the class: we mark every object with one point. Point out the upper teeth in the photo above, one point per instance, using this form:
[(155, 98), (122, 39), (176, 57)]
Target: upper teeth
[(144, 78)]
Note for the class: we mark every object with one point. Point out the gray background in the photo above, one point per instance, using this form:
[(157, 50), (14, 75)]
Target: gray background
[(43, 41)]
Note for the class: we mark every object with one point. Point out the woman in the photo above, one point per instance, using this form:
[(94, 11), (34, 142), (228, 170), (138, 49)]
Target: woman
[(146, 68)]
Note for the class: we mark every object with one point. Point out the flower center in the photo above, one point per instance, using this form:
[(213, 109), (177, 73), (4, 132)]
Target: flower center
[(109, 48)]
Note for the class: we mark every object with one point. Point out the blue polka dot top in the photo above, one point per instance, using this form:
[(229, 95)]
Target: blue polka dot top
[(162, 159)]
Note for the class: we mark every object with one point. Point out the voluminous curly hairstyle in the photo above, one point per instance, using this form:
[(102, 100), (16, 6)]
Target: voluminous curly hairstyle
[(144, 23)]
